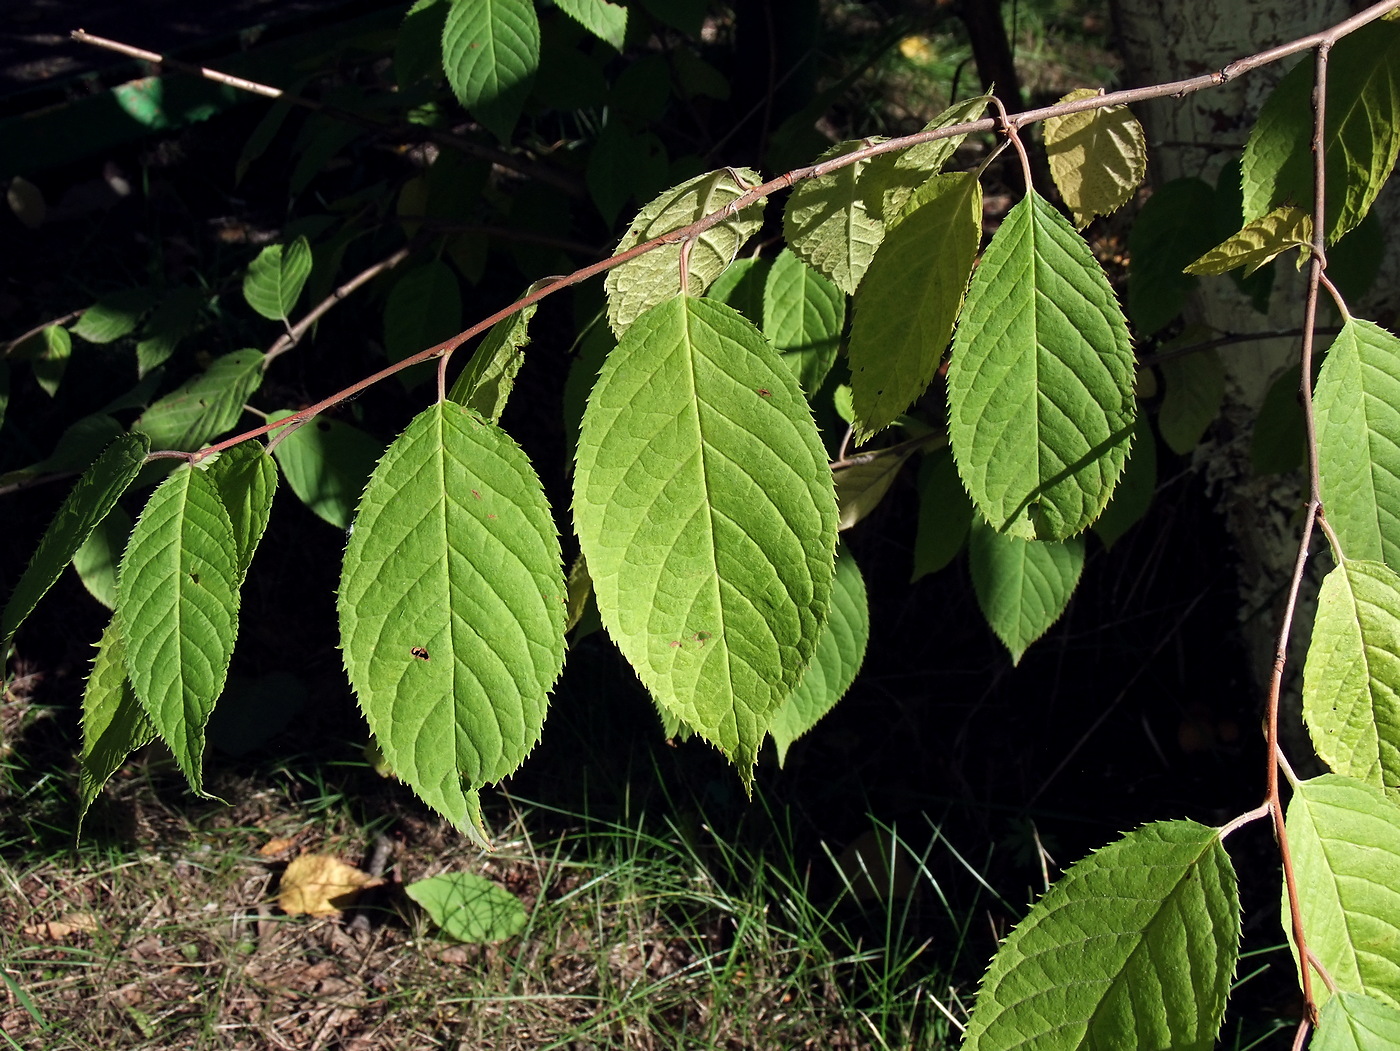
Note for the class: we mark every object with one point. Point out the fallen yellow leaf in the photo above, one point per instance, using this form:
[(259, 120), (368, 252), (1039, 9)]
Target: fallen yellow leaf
[(276, 846), (320, 885), (56, 930)]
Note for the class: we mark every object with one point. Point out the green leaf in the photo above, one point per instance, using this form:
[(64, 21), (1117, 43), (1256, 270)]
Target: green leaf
[(78, 446), (113, 316), (1134, 947), (1135, 490), (703, 503), (97, 560), (1040, 387), (1351, 682), (1352, 1022), (803, 316), (246, 479), (865, 479), (838, 657), (1361, 140), (1278, 443), (889, 180), (485, 384), (177, 602), (48, 352), (1259, 242), (206, 406), (1022, 586), (1165, 238), (1097, 157), (1345, 838), (423, 309), (490, 51), (87, 505), (418, 46), (327, 464), (469, 908), (828, 221), (608, 22), (743, 286), (1357, 401), (638, 285), (906, 305), (276, 277), (945, 514), (452, 608), (114, 723), (1195, 390), (175, 318)]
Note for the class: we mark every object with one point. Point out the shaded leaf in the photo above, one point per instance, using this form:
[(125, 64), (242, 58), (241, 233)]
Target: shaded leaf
[(704, 506), (1135, 490), (1022, 586), (636, 286), (1164, 239), (803, 316), (205, 406), (327, 464), (1345, 838), (490, 51), (906, 305), (890, 179), (865, 479), (82, 510), (829, 224), (485, 384), (452, 608), (418, 45), (1097, 157), (1278, 443), (1134, 947), (1041, 383), (468, 907), (743, 286), (177, 603), (1195, 389), (78, 446), (945, 514), (97, 559), (174, 319), (835, 663), (1351, 682), (114, 723), (1259, 242), (1357, 402), (423, 309), (276, 277)]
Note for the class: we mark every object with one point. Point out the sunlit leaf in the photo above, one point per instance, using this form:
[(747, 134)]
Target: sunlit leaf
[(1097, 157), (1259, 242), (889, 180), (828, 221), (452, 608), (276, 277), (320, 885), (1357, 402), (85, 506), (468, 907), (490, 51), (1351, 682), (1022, 586), (906, 305), (177, 603), (485, 384), (838, 657), (1134, 947), (1352, 1022), (704, 505), (1345, 839), (638, 285), (114, 315), (606, 21), (1041, 383), (246, 479)]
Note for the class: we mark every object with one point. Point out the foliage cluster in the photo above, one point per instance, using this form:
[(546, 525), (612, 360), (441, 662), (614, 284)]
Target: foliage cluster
[(706, 503)]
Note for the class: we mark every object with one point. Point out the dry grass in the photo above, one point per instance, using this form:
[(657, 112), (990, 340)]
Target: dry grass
[(172, 939)]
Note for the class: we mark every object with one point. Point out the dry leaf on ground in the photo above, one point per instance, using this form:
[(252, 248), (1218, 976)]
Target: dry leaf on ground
[(320, 885)]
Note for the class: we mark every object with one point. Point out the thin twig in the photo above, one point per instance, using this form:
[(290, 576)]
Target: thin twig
[(1262, 810), (1234, 337), (559, 180), (1009, 130), (1300, 1038), (15, 343)]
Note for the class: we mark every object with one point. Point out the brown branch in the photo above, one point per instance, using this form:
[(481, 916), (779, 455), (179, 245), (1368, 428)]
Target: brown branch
[(1234, 337), (19, 340), (535, 170)]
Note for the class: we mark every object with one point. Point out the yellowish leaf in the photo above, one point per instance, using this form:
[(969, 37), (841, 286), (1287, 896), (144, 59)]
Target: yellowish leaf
[(273, 847), (1097, 157), (1258, 243), (320, 885)]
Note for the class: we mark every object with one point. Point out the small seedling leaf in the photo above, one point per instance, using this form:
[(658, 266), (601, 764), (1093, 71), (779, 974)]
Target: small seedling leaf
[(469, 908)]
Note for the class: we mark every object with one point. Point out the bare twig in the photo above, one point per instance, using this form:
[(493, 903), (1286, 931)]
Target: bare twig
[(559, 180), (1227, 340), (15, 343), (1262, 810)]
